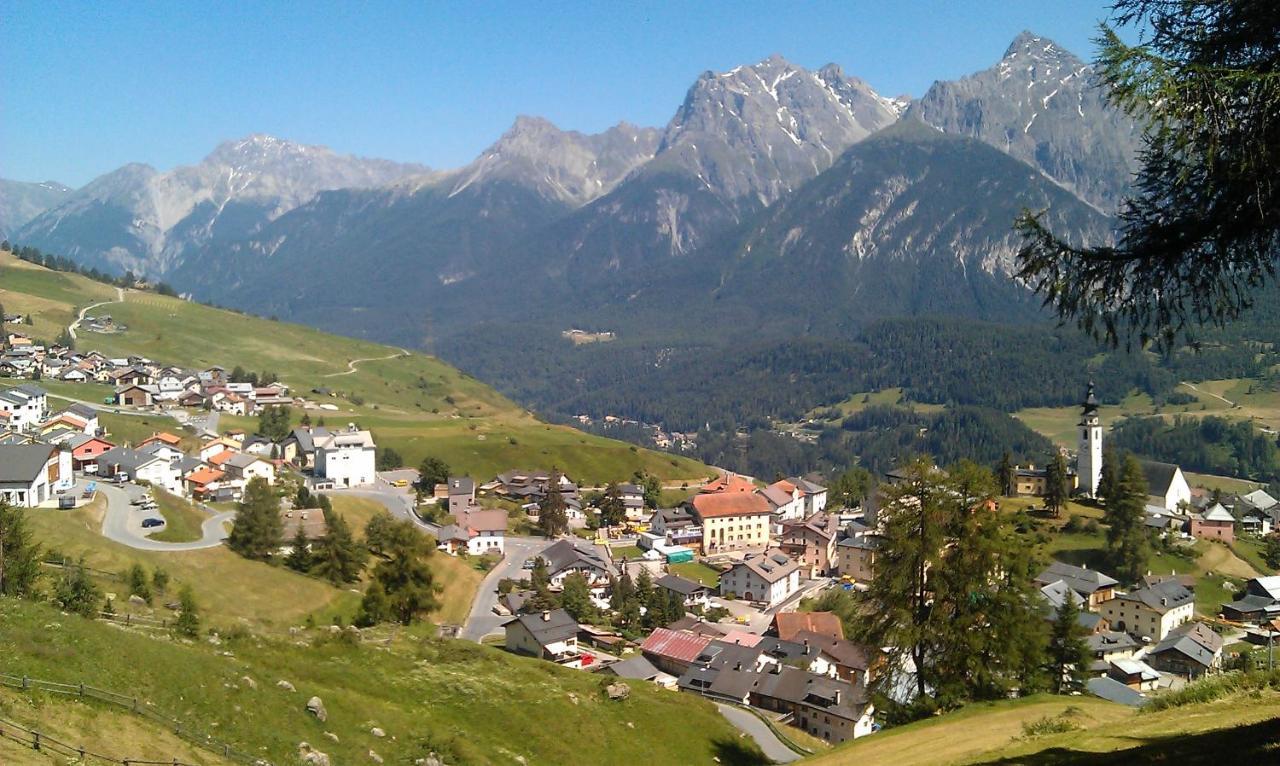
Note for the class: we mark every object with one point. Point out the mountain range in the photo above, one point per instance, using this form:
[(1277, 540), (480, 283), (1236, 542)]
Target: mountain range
[(776, 201)]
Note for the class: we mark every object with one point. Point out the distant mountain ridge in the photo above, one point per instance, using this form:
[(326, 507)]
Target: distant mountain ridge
[(141, 219), (759, 180), (20, 201)]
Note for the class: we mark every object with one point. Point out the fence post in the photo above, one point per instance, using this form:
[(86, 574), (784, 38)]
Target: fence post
[(35, 740), (82, 753), (135, 704), (24, 683), (82, 688)]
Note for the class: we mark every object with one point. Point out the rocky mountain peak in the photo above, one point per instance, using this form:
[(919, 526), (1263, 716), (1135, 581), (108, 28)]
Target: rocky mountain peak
[(1042, 104)]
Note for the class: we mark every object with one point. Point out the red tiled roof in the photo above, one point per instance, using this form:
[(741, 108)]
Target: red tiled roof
[(729, 482), (730, 504), (164, 436), (788, 624), (205, 476), (223, 457), (679, 646)]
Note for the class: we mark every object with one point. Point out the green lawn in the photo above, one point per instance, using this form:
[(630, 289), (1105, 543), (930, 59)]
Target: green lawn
[(471, 704), (692, 570), (182, 520)]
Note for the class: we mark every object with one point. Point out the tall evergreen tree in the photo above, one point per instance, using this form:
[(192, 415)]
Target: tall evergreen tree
[(1068, 655), (1005, 475), (575, 597), (1128, 545), (257, 530), (899, 600), (337, 556), (553, 517), (1200, 231), (405, 575), (1056, 489), (613, 511), (19, 553), (299, 558)]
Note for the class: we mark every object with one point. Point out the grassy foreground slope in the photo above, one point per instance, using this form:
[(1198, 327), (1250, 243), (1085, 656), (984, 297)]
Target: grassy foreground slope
[(472, 704), (414, 403), (1234, 728)]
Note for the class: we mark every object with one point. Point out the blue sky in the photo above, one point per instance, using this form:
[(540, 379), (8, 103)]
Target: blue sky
[(87, 87)]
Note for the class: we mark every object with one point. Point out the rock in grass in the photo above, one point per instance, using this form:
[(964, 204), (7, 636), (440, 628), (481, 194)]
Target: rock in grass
[(316, 708), (285, 685)]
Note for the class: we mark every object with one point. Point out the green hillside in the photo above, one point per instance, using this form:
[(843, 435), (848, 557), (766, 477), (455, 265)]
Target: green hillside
[(1238, 726), (413, 403), (471, 704)]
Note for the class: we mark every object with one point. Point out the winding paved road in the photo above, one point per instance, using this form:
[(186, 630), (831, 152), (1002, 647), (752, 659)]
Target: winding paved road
[(482, 621), (123, 522), (753, 727)]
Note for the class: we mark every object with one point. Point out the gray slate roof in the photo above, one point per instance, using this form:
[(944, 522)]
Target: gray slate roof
[(1159, 476), (22, 463), (1113, 691), (1083, 581), (558, 625)]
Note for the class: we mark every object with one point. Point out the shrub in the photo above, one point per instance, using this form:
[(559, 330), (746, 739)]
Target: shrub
[(1215, 688)]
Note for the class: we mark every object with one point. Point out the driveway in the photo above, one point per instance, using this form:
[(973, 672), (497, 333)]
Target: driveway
[(123, 522), (753, 727), (482, 621)]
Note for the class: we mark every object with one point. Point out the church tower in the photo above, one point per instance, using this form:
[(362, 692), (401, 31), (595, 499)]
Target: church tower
[(1089, 456)]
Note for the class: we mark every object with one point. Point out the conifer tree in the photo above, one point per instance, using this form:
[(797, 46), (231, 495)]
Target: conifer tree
[(405, 576), (19, 553), (1005, 475), (1068, 654), (553, 518), (76, 593), (258, 529), (337, 556), (299, 558), (613, 511), (188, 622), (1056, 490), (575, 597), (1128, 545)]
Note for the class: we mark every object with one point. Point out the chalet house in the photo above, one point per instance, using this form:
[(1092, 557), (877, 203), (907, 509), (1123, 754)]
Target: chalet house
[(162, 451), (139, 466), (731, 520), (728, 482), (770, 577), (1258, 512), (217, 446), (230, 403), (205, 483), (1215, 523), (309, 520), (677, 525), (299, 446), (1260, 602), (1152, 611), (1033, 481), (85, 451), (1191, 651), (673, 651), (135, 395), (812, 542), (1166, 486), (85, 413), (829, 708), (529, 486), (633, 500), (476, 531), (1135, 674), (1092, 585), (838, 658), (856, 556), (788, 625), (461, 493), (693, 594), (1107, 646), (347, 457), (551, 635), (786, 503), (563, 558), (637, 668), (244, 466), (31, 474), (1056, 593)]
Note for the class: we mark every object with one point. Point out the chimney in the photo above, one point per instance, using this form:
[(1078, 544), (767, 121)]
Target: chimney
[(1164, 602), (835, 697)]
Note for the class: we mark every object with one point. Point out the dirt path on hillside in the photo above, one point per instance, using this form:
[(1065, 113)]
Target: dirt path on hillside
[(351, 366), (71, 328), (1209, 393)]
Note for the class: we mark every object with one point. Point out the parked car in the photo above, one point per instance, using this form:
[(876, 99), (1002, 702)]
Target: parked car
[(400, 483), (152, 523), (529, 564)]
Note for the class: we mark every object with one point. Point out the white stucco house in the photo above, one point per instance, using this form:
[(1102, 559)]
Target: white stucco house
[(347, 458), (769, 577)]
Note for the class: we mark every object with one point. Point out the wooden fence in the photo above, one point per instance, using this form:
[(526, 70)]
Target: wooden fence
[(133, 705), (43, 743)]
